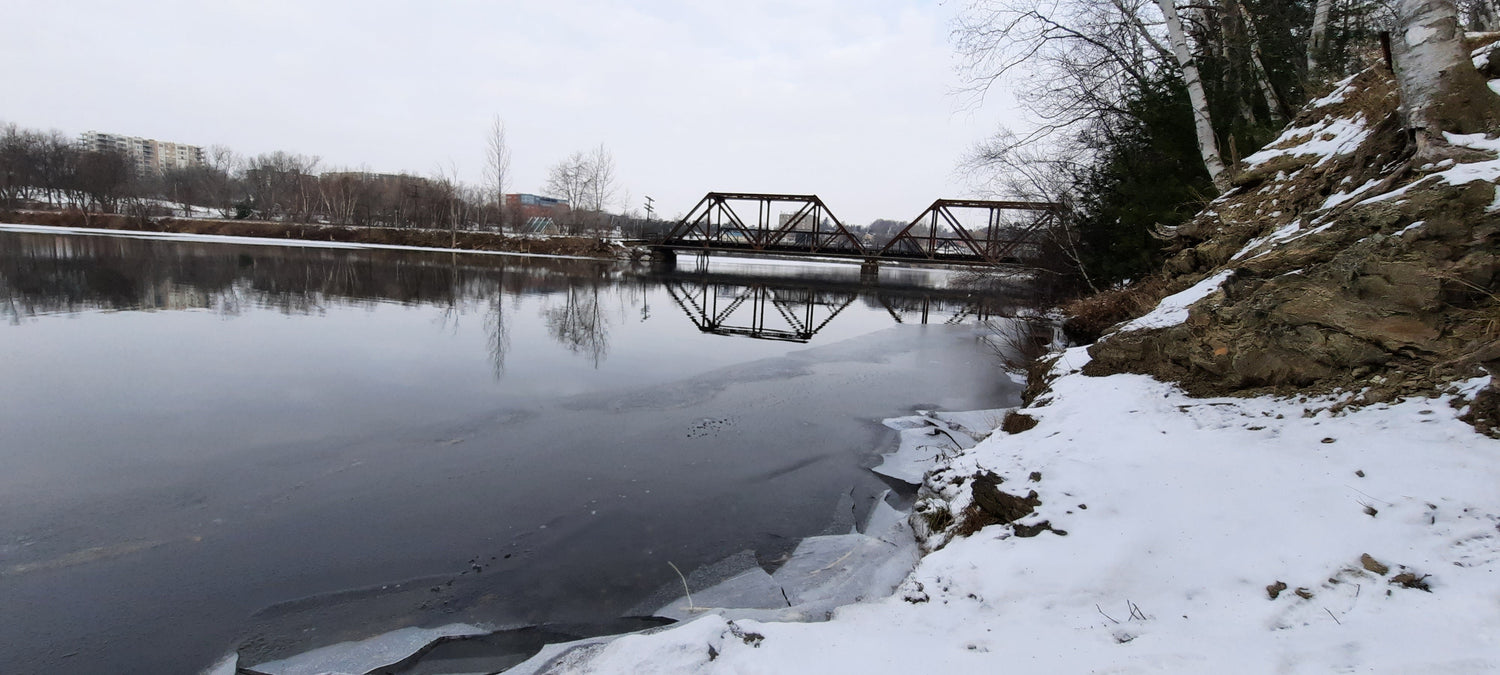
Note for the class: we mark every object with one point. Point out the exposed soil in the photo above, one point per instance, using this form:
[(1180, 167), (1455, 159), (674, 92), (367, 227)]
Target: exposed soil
[(589, 247), (1381, 299)]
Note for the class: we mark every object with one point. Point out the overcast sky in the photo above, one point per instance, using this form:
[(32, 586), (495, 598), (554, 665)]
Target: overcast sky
[(848, 99)]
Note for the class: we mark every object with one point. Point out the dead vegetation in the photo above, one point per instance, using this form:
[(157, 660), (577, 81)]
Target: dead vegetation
[(1091, 315)]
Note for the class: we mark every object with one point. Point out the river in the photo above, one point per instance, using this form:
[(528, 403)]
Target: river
[(214, 445)]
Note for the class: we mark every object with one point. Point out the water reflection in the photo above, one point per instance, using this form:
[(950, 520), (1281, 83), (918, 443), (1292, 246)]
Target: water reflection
[(47, 274), (795, 307), (716, 308), (44, 274), (576, 320)]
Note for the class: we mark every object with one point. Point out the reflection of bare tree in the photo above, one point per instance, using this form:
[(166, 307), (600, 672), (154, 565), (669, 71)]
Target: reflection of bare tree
[(44, 273), (498, 332), (579, 324)]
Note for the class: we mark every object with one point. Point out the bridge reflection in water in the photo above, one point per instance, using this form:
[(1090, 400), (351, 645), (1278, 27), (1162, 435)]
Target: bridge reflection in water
[(794, 309), (716, 308)]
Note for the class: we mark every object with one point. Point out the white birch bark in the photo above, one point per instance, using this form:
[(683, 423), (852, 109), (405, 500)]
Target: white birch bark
[(1317, 42), (1440, 89), (1208, 146)]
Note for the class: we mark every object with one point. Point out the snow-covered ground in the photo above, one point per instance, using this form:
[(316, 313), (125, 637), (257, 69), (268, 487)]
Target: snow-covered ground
[(1182, 517)]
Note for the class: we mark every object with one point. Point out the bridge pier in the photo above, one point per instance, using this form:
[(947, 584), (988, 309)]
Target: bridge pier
[(869, 270), (664, 259)]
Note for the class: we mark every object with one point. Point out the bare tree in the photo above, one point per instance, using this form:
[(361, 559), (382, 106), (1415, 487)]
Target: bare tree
[(1026, 173), (497, 165), (101, 181), (1070, 60), (600, 186), (17, 165), (568, 180), (586, 181), (224, 189), (281, 184)]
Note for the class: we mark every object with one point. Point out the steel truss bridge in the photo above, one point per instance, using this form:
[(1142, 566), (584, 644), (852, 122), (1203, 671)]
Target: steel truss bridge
[(803, 226)]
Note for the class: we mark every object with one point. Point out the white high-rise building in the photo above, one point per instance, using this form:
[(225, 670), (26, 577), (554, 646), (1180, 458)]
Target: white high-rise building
[(150, 155)]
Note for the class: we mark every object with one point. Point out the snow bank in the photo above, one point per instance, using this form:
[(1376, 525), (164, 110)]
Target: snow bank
[(1173, 309), (1327, 138), (1183, 517)]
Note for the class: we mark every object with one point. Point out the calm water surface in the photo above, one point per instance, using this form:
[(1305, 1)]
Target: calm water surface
[(212, 446)]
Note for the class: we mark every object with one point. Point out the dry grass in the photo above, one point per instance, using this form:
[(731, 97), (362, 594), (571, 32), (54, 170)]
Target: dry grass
[(1091, 315)]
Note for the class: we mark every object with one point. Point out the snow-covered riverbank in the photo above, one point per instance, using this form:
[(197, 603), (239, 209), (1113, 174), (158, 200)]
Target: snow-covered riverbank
[(1374, 529)]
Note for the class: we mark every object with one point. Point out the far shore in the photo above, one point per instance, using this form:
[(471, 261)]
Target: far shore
[(570, 246)]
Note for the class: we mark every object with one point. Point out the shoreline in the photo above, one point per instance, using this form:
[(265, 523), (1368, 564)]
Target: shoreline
[(1135, 554), (824, 575), (315, 234)]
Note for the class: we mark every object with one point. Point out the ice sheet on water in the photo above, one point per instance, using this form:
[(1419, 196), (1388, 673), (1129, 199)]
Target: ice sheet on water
[(823, 573), (829, 572), (976, 423), (923, 439), (884, 521), (364, 656)]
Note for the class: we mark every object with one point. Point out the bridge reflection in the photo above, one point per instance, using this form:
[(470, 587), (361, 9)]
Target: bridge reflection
[(796, 308), (717, 308)]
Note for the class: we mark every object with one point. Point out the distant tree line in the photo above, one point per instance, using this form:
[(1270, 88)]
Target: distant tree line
[(47, 169)]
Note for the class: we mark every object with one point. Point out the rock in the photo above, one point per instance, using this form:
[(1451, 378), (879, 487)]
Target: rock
[(1002, 506), (1274, 590), (1016, 422), (1374, 565)]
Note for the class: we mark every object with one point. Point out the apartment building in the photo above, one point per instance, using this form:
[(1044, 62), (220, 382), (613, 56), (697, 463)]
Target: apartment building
[(149, 155)]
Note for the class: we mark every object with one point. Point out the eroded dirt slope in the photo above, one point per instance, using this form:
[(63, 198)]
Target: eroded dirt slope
[(1335, 263)]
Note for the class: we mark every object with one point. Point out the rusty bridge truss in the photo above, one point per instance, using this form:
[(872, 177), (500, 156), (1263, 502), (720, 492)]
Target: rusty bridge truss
[(946, 233)]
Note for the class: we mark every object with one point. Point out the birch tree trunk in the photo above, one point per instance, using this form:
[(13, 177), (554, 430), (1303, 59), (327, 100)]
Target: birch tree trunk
[(1317, 42), (1208, 146), (1440, 89)]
